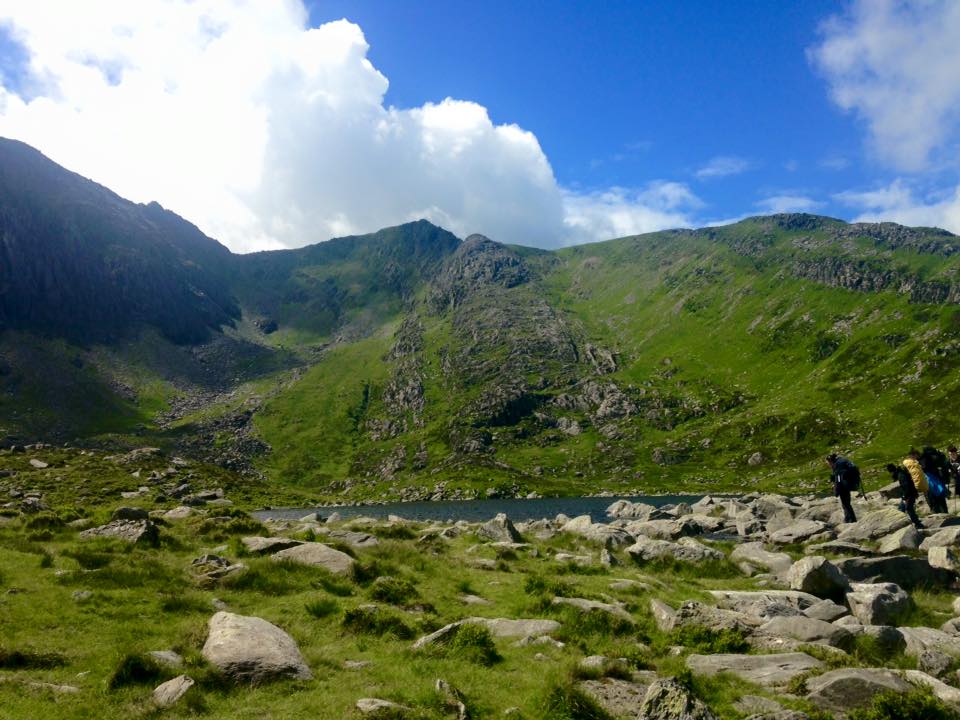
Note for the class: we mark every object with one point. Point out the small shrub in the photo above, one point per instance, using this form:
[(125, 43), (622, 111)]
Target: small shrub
[(563, 701), (88, 558), (393, 532), (322, 608), (137, 669), (919, 704), (44, 521), (578, 624), (367, 620), (269, 577), (241, 524), (184, 603), (46, 560), (537, 585), (469, 642), (709, 641), (334, 585), (393, 590)]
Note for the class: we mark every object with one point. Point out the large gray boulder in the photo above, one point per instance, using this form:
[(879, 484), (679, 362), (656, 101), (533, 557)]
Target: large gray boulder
[(905, 571), (848, 688), (818, 576), (944, 537), (920, 639), (759, 603), (798, 532), (354, 538), (807, 630), (775, 670), (943, 558), (754, 555), (620, 698), (317, 555), (252, 650), (516, 628), (132, 531), (906, 538), (826, 610), (669, 700), (499, 529), (686, 550), (878, 603), (874, 525), (695, 613)]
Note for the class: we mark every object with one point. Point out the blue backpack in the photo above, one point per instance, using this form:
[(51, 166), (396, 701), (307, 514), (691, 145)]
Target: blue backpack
[(937, 488)]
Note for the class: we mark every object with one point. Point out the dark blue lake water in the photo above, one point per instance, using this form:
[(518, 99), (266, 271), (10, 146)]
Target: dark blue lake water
[(477, 510)]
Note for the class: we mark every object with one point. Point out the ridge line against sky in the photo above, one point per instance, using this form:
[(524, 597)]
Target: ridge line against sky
[(272, 123)]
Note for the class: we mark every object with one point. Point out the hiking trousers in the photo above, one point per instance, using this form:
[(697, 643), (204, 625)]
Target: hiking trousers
[(848, 514), (910, 508), (937, 505)]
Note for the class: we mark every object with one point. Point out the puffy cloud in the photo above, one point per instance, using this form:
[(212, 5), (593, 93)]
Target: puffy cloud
[(898, 202), (268, 133), (618, 212), (896, 65), (788, 204), (722, 166)]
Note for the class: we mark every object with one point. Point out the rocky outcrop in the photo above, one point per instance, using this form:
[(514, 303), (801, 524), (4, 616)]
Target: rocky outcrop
[(774, 670), (669, 700), (132, 531), (317, 555)]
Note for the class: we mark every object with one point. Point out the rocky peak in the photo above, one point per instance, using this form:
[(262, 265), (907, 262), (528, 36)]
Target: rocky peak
[(477, 263)]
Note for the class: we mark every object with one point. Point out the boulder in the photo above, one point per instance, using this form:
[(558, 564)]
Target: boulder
[(620, 698), (663, 615), (755, 555), (694, 613), (807, 630), (130, 513), (848, 688), (944, 558), (798, 532), (686, 550), (826, 610), (944, 537), (878, 603), (774, 670), (511, 628), (906, 538), (763, 603), (905, 571), (378, 707), (318, 555), (818, 576), (944, 692), (181, 512), (252, 650), (132, 531), (499, 529), (669, 700), (354, 538), (268, 545), (589, 606), (875, 525), (167, 694), (921, 639)]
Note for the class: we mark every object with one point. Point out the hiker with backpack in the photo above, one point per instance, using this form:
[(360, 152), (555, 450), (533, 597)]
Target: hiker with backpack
[(953, 458), (937, 469), (908, 492), (922, 482), (845, 477)]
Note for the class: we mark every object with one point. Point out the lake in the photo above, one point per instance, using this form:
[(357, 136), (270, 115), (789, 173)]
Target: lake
[(478, 510)]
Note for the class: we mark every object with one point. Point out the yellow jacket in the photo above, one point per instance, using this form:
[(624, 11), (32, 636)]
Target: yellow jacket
[(917, 474)]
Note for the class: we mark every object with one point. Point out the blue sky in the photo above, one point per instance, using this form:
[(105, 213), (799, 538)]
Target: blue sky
[(278, 124)]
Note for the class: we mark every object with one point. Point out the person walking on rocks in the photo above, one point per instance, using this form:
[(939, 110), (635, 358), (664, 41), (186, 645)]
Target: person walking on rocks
[(953, 457), (912, 463), (846, 479), (908, 492)]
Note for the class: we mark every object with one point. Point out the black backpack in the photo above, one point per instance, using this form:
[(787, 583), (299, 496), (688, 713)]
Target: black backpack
[(848, 474)]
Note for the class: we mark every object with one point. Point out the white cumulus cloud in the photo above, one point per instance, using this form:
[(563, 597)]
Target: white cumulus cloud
[(269, 133), (788, 203), (898, 202), (897, 65)]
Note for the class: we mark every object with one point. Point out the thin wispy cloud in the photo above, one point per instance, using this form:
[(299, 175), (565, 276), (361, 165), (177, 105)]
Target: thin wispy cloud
[(788, 203), (723, 166)]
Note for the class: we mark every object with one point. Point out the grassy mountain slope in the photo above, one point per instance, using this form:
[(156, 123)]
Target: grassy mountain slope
[(653, 362)]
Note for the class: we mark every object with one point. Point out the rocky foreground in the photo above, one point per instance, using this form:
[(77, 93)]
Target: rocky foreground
[(762, 606)]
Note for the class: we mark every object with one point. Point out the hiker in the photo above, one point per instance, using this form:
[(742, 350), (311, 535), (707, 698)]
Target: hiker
[(846, 479), (934, 463), (953, 458), (912, 463), (908, 492)]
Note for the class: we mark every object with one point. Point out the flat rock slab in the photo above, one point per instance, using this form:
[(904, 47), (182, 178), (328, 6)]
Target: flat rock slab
[(317, 555), (807, 630), (849, 688), (250, 649), (920, 639), (753, 602), (753, 553), (132, 531), (354, 538), (167, 694), (509, 628), (268, 545), (768, 670), (620, 698), (874, 525), (594, 606), (376, 706), (798, 531)]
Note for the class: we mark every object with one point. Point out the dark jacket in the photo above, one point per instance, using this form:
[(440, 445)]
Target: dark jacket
[(841, 467), (908, 490)]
